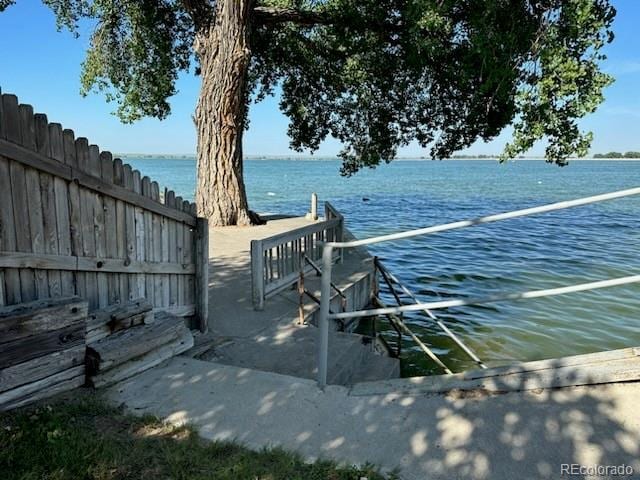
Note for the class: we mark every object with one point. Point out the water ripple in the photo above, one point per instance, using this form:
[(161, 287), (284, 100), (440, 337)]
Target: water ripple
[(560, 248)]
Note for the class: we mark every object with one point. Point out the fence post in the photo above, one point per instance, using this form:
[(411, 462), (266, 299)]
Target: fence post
[(257, 274), (323, 322), (202, 273)]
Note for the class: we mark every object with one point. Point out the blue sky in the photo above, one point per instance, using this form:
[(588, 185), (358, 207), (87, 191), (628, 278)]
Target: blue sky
[(42, 67)]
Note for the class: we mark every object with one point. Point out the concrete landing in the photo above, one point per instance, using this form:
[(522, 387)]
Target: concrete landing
[(517, 435), (271, 339)]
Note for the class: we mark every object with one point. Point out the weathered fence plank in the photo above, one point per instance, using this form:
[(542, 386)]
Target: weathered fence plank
[(63, 226), (202, 272), (87, 222), (106, 173), (139, 233), (157, 246), (74, 221), (72, 173), (18, 189), (118, 179), (34, 199), (130, 235), (48, 198)]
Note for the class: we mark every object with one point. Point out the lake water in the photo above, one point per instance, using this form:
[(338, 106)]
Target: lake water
[(562, 248)]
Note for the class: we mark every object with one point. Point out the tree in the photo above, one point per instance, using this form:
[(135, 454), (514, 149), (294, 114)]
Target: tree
[(375, 74)]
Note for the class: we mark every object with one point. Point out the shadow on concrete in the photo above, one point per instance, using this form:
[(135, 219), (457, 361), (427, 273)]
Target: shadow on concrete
[(521, 433), (470, 435)]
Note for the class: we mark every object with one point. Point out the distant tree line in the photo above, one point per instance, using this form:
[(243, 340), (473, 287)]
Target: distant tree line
[(617, 155), (461, 157)]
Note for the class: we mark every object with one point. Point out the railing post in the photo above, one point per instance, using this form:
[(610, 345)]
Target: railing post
[(301, 296), (340, 234), (257, 274), (323, 322), (314, 206)]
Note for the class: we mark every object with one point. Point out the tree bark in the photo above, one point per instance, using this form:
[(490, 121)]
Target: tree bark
[(224, 53)]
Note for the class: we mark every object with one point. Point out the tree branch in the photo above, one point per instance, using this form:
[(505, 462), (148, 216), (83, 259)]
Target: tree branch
[(200, 11), (272, 15)]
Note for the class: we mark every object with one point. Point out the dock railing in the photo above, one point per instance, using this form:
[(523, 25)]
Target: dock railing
[(330, 247), (276, 262)]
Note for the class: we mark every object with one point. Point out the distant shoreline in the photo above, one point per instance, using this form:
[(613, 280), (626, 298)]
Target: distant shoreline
[(147, 156)]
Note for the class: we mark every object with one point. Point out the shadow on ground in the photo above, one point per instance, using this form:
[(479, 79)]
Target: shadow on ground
[(471, 435)]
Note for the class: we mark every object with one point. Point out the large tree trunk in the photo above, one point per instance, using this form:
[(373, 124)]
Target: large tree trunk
[(224, 53)]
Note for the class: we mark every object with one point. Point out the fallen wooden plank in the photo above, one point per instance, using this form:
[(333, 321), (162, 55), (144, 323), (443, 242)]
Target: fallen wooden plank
[(34, 346), (114, 314), (178, 311), (41, 367), (131, 308), (97, 333), (25, 319), (145, 362), (124, 345), (144, 318), (45, 388)]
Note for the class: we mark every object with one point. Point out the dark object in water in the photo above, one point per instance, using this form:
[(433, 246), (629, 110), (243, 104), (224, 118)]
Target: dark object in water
[(365, 199), (256, 219)]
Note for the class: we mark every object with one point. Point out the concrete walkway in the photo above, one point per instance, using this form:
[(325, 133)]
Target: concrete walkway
[(520, 435), (272, 339)]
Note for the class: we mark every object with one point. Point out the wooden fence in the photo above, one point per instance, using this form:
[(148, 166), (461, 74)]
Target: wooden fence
[(276, 261), (75, 221)]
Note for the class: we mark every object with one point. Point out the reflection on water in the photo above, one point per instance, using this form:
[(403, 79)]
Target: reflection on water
[(561, 248)]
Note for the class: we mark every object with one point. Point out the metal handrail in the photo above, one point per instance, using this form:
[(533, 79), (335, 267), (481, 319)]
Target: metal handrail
[(389, 276), (420, 343), (327, 255), (488, 219), (549, 292)]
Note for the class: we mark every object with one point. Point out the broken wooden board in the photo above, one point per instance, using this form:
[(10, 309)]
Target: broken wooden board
[(41, 344), (145, 362), (27, 319), (41, 367), (125, 345), (101, 323), (44, 388)]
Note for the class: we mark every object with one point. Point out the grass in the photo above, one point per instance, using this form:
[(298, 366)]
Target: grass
[(82, 438)]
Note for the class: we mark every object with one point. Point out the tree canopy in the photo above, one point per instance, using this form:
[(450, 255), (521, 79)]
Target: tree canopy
[(375, 74)]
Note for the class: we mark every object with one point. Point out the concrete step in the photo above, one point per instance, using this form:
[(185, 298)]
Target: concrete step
[(295, 354), (348, 359), (376, 367)]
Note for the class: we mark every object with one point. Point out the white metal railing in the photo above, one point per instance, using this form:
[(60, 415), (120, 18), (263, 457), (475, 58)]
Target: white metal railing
[(328, 255), (276, 261)]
